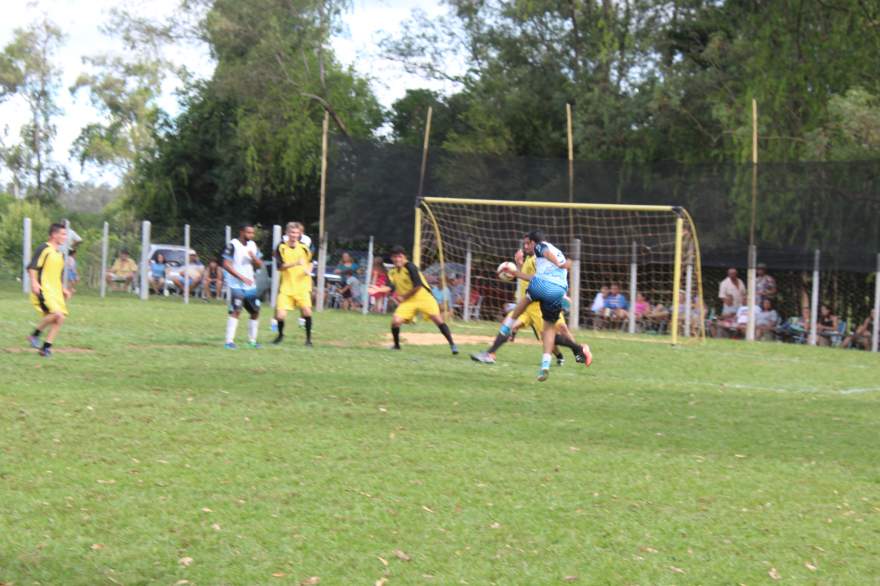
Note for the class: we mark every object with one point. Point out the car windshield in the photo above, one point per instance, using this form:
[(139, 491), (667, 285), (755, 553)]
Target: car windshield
[(172, 257)]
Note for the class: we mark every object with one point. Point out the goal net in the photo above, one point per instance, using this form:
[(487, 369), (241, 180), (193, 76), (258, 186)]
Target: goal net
[(645, 259)]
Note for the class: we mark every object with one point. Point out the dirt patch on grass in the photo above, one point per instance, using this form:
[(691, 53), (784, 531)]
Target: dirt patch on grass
[(432, 339), (55, 350)]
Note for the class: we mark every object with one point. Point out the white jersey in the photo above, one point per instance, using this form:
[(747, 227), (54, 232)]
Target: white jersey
[(239, 255), (546, 270)]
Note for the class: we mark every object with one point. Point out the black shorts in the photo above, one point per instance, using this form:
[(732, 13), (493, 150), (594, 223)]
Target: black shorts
[(244, 299)]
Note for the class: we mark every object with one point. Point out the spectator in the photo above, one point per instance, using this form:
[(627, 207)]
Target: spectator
[(351, 292), (71, 274), (765, 285), (379, 278), (157, 273), (766, 320), (726, 321), (73, 239), (732, 287), (615, 304), (456, 290), (123, 270), (641, 306), (346, 267), (194, 273), (862, 336), (826, 326), (213, 280), (599, 300)]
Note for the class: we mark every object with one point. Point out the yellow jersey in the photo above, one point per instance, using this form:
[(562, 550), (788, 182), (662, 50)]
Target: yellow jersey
[(298, 278), (528, 268), (48, 263), (406, 278)]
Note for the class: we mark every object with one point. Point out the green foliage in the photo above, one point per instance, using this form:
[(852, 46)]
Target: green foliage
[(12, 215)]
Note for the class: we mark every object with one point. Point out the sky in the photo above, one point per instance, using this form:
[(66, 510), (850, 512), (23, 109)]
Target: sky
[(80, 20)]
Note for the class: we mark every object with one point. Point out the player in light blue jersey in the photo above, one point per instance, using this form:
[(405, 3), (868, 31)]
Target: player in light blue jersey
[(240, 257), (548, 286)]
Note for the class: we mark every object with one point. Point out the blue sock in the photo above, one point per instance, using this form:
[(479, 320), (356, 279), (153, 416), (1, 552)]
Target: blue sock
[(545, 362)]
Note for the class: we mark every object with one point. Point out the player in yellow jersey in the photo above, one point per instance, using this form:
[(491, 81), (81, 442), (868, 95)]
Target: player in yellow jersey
[(48, 294), (294, 264), (415, 297), (533, 318)]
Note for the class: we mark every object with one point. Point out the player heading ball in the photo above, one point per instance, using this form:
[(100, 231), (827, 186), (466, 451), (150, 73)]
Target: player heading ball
[(415, 297)]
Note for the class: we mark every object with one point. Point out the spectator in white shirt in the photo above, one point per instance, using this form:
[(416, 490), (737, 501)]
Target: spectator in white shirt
[(734, 288)]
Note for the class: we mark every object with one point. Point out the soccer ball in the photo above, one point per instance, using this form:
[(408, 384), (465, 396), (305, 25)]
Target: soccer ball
[(505, 271)]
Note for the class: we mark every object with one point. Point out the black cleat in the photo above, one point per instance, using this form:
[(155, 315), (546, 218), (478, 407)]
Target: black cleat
[(278, 339), (308, 343)]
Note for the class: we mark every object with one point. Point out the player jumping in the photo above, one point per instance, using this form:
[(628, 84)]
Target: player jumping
[(547, 286), (532, 318), (240, 257), (48, 294), (415, 297), (294, 261)]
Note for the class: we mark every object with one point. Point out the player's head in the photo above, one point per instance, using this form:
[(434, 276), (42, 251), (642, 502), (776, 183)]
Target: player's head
[(531, 239), (57, 233), (245, 232), (294, 231), (398, 256)]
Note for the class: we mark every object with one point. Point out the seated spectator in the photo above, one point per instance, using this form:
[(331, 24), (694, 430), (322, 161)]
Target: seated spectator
[(599, 300), (194, 273), (213, 288), (351, 292), (826, 326), (157, 274), (726, 320), (122, 271), (70, 271), (641, 307), (456, 290), (862, 336), (379, 278), (765, 285), (766, 320), (615, 304), (347, 266), (733, 287)]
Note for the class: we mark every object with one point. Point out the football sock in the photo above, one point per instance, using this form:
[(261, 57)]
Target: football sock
[(545, 362), (36, 333), (231, 326), (395, 332), (309, 329), (253, 328), (568, 343), (558, 354), (506, 326), (500, 339), (280, 328), (444, 329)]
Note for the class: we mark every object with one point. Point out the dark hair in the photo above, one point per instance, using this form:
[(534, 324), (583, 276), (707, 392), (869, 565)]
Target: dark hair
[(123, 251), (398, 249), (244, 225), (535, 236), (56, 227)]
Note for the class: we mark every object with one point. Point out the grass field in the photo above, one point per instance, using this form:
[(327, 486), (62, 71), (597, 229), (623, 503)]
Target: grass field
[(154, 456)]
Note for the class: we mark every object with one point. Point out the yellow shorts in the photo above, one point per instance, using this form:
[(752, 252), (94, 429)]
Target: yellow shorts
[(50, 302), (287, 302), (422, 302), (532, 318)]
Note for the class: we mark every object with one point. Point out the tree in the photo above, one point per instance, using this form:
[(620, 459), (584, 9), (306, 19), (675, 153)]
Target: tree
[(27, 72)]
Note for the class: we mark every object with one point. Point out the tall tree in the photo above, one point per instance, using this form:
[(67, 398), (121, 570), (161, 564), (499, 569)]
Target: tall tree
[(28, 73)]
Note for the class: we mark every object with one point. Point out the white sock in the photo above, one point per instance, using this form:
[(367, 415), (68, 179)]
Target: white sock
[(253, 328), (509, 321), (231, 326), (545, 361)]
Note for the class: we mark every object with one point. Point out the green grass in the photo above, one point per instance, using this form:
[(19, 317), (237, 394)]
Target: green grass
[(718, 464)]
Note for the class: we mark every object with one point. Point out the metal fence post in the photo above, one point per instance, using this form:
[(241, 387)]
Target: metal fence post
[(186, 264), (633, 287), (105, 246), (227, 235), (574, 313), (145, 260), (466, 302), (751, 292), (26, 256), (276, 276), (875, 334), (369, 275), (322, 265), (814, 300)]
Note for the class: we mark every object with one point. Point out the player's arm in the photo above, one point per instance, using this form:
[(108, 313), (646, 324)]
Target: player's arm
[(416, 279), (255, 260), (548, 254)]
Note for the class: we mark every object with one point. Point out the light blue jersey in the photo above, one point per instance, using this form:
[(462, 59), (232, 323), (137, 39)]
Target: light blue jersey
[(546, 270)]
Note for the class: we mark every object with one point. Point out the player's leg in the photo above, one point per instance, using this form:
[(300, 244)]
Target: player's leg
[(252, 306), (509, 321), (444, 329), (280, 316), (548, 335), (306, 313), (396, 321), (45, 322), (236, 302), (488, 356)]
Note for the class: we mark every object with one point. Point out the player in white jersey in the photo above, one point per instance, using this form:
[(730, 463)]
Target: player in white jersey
[(240, 257), (547, 286)]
